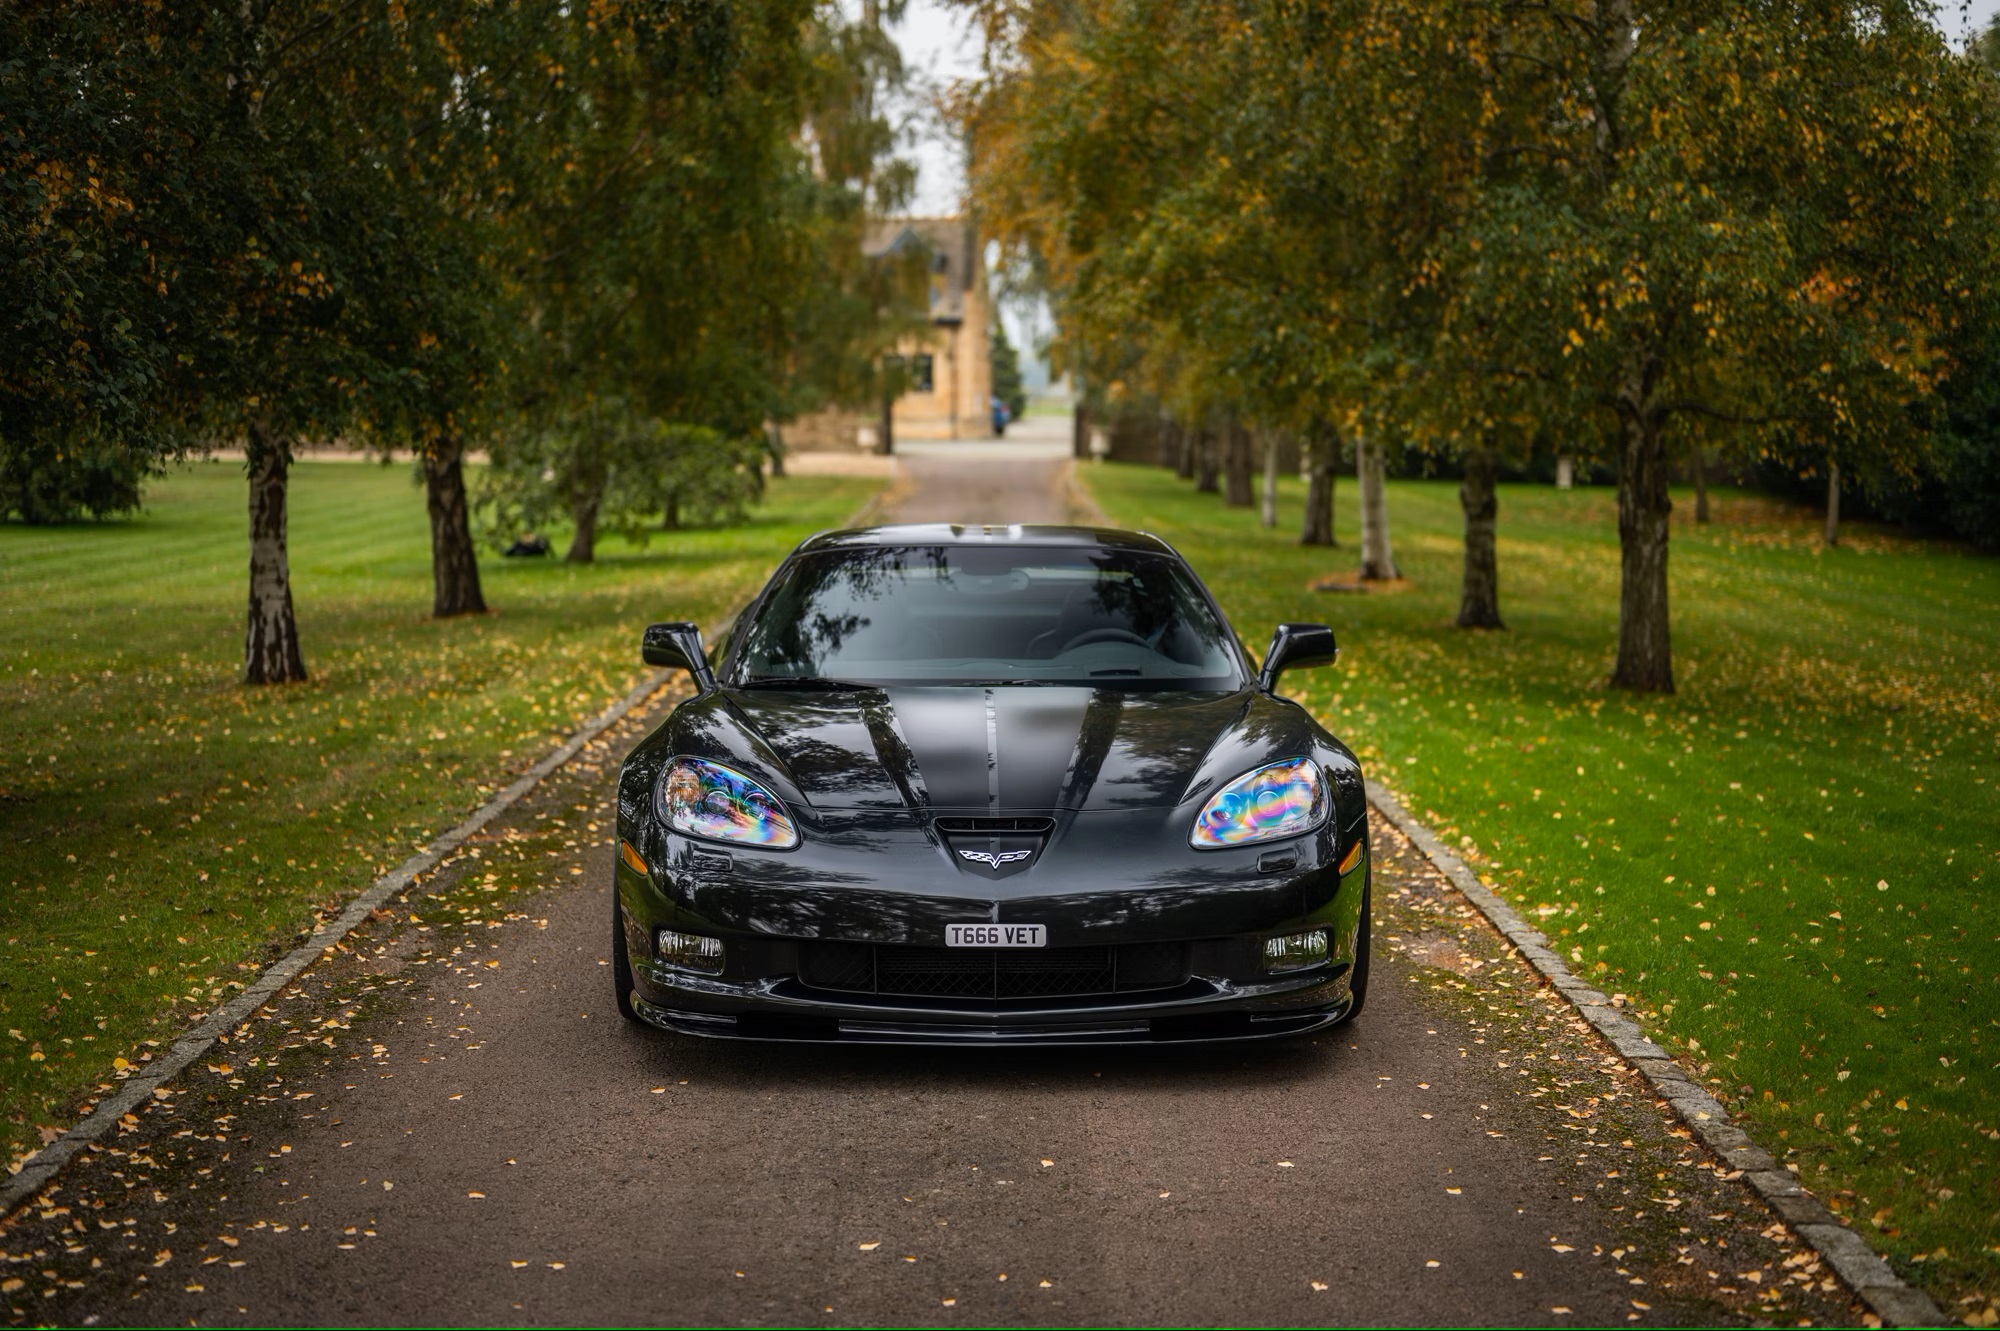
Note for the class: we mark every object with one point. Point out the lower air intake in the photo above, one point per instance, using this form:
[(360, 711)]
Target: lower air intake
[(995, 974)]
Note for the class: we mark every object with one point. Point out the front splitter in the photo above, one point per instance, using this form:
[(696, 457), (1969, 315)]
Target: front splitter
[(1191, 1029)]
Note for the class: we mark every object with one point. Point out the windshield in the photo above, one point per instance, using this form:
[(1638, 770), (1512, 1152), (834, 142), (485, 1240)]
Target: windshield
[(1093, 618)]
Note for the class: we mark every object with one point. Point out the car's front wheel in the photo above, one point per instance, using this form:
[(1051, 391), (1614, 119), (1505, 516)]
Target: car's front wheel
[(1357, 981), (621, 962)]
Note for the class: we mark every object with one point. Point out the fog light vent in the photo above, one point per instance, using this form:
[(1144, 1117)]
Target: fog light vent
[(697, 952), (1294, 951)]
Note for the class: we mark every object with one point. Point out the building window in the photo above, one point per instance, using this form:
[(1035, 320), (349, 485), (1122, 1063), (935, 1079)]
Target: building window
[(920, 373)]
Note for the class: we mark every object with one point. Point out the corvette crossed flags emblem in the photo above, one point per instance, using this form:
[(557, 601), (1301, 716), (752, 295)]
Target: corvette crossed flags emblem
[(994, 859)]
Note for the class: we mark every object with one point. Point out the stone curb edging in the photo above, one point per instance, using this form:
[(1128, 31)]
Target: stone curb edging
[(1857, 1264), (42, 1166)]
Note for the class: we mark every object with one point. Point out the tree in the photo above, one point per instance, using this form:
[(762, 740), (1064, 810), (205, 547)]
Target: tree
[(1696, 225), (1479, 599), (91, 164), (1007, 384), (1322, 454), (610, 467), (1601, 221)]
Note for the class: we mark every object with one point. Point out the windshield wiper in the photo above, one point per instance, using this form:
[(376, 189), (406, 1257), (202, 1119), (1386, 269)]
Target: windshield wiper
[(1011, 683), (814, 682)]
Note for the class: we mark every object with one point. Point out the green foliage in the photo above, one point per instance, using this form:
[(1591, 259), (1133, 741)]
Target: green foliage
[(44, 481), (1617, 226), (623, 472), (1007, 384)]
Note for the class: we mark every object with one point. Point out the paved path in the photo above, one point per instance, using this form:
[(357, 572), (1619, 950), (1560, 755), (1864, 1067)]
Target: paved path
[(446, 1123), (1023, 478)]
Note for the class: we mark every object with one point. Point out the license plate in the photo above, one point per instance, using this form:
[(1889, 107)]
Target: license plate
[(996, 935)]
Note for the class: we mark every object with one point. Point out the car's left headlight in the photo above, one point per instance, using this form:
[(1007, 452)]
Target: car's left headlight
[(706, 799), (1277, 800)]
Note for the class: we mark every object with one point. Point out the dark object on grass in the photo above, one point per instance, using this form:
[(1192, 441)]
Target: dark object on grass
[(527, 543), (989, 786)]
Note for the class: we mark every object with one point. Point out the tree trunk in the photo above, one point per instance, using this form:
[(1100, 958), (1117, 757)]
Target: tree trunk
[(1565, 472), (1701, 485), (1479, 602), (583, 545), (1833, 503), (1645, 650), (1079, 432), (271, 645), (777, 446), (886, 439), (1169, 440), (454, 558), (1268, 511), (1204, 461), (1322, 451), (1378, 560), (1236, 466), (1188, 452)]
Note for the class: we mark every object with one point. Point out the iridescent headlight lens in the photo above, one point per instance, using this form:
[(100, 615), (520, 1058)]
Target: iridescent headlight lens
[(706, 799), (1278, 800)]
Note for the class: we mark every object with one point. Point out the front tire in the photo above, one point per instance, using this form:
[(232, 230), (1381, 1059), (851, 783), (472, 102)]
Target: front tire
[(1357, 983), (621, 963)]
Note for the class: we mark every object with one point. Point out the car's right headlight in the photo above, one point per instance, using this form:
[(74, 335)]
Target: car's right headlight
[(1276, 800), (705, 799)]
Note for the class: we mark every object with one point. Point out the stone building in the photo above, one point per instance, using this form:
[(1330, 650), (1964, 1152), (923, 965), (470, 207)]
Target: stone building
[(950, 366), (951, 370)]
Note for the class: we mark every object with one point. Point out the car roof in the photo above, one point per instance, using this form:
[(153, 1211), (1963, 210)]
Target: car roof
[(1025, 535)]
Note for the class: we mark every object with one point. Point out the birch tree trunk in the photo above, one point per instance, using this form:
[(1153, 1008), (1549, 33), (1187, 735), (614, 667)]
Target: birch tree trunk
[(1378, 560), (1268, 509), (1204, 461), (1322, 452), (1645, 648), (271, 643), (455, 586), (777, 445), (1479, 600), (1236, 464)]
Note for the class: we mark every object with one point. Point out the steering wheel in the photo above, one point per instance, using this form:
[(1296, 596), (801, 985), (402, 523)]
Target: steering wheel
[(1089, 636)]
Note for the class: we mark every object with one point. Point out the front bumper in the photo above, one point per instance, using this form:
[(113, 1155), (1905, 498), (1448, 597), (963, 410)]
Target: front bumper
[(770, 911)]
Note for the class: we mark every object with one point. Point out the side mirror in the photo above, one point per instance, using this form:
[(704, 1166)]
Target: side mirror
[(1296, 646), (678, 646)]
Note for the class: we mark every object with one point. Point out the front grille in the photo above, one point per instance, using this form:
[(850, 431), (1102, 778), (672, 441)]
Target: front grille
[(992, 973)]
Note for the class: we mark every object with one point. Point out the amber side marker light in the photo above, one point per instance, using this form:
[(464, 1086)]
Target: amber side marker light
[(632, 858), (1347, 861)]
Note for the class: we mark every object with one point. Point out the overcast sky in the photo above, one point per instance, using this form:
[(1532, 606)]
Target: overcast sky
[(940, 46)]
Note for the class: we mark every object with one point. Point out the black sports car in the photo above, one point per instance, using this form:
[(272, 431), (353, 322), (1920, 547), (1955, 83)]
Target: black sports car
[(989, 785)]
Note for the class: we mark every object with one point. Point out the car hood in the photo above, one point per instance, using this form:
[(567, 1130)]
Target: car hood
[(993, 750)]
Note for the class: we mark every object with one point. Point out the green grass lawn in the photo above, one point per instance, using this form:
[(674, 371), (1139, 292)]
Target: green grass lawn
[(167, 831), (1787, 867)]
